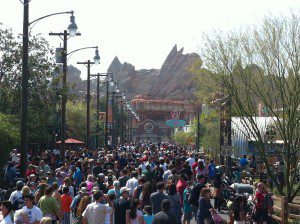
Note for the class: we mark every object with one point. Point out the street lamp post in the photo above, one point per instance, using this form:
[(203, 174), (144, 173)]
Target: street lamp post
[(72, 28), (24, 82), (98, 75), (198, 129)]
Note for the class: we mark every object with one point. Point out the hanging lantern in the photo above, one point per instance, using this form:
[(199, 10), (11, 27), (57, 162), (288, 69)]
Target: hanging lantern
[(59, 52)]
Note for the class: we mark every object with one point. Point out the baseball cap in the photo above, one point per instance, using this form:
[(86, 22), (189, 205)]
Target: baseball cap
[(124, 189), (83, 190), (95, 189)]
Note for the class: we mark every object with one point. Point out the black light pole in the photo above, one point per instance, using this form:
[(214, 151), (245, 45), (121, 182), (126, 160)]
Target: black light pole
[(72, 32), (24, 100), (98, 75), (88, 64), (106, 115), (24, 82)]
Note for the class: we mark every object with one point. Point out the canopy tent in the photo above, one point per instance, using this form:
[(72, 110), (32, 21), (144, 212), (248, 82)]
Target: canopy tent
[(71, 141)]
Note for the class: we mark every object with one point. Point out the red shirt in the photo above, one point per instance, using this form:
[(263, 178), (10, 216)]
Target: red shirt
[(259, 199), (180, 187), (66, 201), (29, 172), (194, 166)]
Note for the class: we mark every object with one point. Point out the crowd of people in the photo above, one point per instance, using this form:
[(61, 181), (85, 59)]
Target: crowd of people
[(138, 183)]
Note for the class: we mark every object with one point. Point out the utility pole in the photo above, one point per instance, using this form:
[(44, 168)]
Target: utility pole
[(24, 96)]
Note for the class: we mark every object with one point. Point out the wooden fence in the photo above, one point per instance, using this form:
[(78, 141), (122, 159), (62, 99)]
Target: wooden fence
[(284, 210)]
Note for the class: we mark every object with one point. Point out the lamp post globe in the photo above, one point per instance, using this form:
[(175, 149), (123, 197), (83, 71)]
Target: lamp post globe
[(72, 28), (96, 57)]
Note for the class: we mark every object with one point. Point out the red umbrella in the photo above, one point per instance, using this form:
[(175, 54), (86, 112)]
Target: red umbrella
[(71, 141)]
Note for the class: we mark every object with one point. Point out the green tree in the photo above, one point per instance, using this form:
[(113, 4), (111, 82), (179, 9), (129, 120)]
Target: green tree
[(76, 120), (261, 65), (9, 138), (40, 95), (184, 138)]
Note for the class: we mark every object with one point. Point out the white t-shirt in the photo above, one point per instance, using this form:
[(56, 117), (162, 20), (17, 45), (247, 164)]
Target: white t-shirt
[(95, 213), (107, 218), (138, 215), (191, 161), (34, 214), (14, 196), (132, 184), (7, 220)]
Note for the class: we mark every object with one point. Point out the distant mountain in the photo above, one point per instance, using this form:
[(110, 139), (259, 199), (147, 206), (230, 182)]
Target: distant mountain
[(172, 81)]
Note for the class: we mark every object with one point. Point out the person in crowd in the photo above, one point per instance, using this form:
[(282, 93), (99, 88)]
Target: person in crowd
[(56, 193), (205, 207), (30, 170), (175, 201), (190, 160), (32, 187), (49, 206), (167, 173), (17, 193), (134, 215), (260, 212), (138, 190), (42, 169), (21, 217), (121, 206), (77, 176), (180, 186), (243, 161), (7, 212), (201, 169), (148, 173), (46, 220), (145, 194), (186, 171), (157, 197), (101, 183), (66, 201), (20, 203), (211, 170), (123, 178), (40, 192), (90, 183), (33, 212), (76, 200), (95, 213), (11, 173), (115, 190), (195, 194), (67, 183), (239, 210), (187, 207), (148, 216), (218, 192), (132, 183), (261, 171), (165, 216), (84, 202)]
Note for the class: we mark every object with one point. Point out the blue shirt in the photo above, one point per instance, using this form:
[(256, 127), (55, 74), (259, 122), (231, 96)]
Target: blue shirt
[(148, 218), (211, 170), (77, 176), (243, 161)]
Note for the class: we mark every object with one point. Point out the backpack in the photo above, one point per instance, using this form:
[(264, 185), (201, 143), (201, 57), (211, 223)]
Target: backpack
[(195, 194), (268, 202)]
